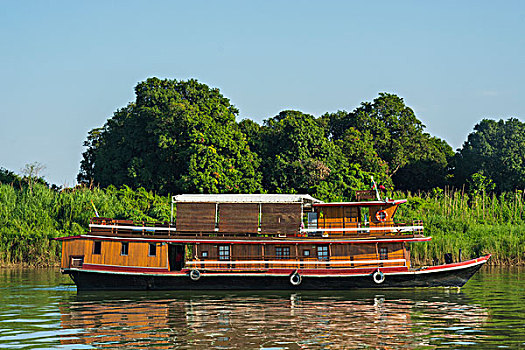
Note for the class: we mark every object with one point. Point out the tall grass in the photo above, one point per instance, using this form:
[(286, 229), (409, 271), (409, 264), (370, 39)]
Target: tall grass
[(477, 224), (31, 218)]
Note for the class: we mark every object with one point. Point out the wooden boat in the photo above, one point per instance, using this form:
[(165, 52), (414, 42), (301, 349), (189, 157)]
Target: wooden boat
[(258, 241)]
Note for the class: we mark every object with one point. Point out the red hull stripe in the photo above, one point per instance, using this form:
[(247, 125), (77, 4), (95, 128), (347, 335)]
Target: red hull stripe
[(459, 264), (241, 241)]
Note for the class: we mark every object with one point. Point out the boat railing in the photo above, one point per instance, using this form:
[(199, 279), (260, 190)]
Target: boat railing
[(110, 226), (275, 262), (387, 227)]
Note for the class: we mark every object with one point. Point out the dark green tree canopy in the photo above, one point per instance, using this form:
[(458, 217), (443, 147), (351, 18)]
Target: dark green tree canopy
[(178, 136), (496, 150), (182, 137), (297, 157), (385, 137)]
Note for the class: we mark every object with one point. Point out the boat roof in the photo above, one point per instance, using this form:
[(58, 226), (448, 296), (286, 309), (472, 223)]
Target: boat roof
[(245, 198), (361, 204)]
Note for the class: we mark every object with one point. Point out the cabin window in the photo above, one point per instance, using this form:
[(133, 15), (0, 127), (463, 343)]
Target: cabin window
[(124, 248), (204, 254), (282, 252), (97, 247), (322, 252), (306, 252), (152, 249), (224, 252), (383, 253)]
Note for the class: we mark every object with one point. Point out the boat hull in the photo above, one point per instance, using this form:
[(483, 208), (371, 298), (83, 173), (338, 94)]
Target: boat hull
[(451, 275)]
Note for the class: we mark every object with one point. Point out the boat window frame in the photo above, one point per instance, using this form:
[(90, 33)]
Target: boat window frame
[(204, 254), (223, 248), (282, 252), (306, 253), (154, 246), (323, 248), (97, 247), (383, 253), (124, 251)]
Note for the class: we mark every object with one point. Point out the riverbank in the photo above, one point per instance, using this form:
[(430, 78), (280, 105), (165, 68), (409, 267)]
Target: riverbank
[(30, 218), (475, 224)]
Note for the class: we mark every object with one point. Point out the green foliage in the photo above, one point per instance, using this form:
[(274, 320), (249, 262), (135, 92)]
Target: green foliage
[(30, 219), (494, 149), (480, 184), (8, 177), (297, 157), (479, 225), (177, 137), (386, 138)]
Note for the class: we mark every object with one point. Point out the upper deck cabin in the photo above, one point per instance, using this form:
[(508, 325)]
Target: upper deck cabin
[(255, 216)]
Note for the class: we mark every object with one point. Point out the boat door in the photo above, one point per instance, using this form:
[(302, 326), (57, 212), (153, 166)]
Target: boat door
[(176, 256)]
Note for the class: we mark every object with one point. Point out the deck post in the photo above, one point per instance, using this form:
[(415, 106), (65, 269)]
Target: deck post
[(171, 217)]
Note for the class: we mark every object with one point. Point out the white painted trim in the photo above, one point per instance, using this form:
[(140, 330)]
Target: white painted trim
[(244, 198), (316, 240), (294, 262), (441, 269), (356, 229), (135, 228)]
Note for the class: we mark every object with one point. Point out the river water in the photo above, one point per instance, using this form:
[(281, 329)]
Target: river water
[(41, 309)]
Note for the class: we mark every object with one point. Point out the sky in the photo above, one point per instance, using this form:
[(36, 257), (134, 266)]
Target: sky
[(67, 66)]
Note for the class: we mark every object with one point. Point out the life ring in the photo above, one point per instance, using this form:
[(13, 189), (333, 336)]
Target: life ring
[(295, 279), (195, 275), (379, 277), (381, 215)]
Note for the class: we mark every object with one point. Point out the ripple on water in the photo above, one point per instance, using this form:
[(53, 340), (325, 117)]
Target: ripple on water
[(489, 312)]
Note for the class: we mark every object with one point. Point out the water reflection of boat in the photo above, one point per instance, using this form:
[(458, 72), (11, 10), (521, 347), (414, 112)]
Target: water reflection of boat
[(279, 320), (238, 242)]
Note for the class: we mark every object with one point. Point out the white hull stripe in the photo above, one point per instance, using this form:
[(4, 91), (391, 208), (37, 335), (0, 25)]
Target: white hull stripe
[(294, 262)]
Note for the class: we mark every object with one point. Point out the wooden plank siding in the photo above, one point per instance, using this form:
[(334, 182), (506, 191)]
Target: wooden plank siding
[(72, 248), (350, 217), (280, 217), (138, 254), (339, 252), (196, 217), (110, 253), (239, 217)]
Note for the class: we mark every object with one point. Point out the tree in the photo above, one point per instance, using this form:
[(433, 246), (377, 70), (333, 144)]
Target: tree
[(297, 157), (32, 174), (358, 148), (427, 169), (385, 137), (178, 136), (495, 150), (86, 175), (8, 177)]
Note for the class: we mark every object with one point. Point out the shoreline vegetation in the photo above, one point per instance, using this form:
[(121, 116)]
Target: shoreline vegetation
[(479, 224)]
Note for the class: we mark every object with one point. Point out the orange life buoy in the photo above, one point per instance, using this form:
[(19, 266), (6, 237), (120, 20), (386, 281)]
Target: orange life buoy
[(381, 215)]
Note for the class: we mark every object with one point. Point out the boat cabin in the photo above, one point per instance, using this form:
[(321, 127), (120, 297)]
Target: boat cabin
[(251, 232)]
